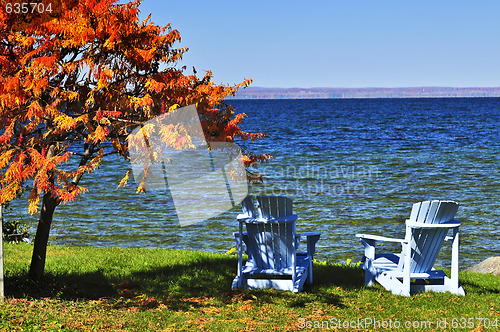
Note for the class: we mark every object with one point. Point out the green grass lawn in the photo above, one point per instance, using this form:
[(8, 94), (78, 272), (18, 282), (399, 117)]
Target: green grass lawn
[(112, 289)]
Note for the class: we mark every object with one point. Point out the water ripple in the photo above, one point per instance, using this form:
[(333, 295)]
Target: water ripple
[(351, 166)]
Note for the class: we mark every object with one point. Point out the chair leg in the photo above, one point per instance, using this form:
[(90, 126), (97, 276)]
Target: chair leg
[(392, 284), (454, 263), (310, 273), (369, 256), (369, 272)]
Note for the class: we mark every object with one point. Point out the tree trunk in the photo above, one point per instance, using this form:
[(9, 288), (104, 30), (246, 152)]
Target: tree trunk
[(42, 236), (49, 205)]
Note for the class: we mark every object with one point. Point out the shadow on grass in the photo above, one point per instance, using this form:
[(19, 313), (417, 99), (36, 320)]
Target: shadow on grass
[(200, 282), (338, 275), (89, 286), (203, 277)]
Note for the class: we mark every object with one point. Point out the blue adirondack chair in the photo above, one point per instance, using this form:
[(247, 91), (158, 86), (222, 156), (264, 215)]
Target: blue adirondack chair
[(271, 245), (426, 230)]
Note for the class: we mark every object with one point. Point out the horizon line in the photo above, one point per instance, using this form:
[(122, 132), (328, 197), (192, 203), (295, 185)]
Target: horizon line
[(380, 87)]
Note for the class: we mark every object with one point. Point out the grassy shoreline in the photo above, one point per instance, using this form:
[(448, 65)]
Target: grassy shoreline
[(99, 289)]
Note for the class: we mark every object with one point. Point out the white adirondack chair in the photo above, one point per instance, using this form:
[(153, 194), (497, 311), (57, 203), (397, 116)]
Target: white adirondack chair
[(271, 245), (426, 230)]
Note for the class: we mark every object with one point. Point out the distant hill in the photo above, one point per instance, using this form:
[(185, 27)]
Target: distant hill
[(317, 93)]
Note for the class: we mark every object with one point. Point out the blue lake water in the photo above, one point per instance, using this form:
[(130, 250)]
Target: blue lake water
[(350, 165)]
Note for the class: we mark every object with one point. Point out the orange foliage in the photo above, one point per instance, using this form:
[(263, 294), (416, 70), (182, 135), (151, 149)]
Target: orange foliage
[(76, 81)]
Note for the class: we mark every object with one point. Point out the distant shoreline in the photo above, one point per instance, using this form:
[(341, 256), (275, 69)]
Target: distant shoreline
[(340, 93)]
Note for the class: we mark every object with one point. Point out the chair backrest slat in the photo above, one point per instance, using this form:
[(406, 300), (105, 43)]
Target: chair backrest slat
[(447, 211), (271, 243), (248, 207), (426, 243), (422, 214), (414, 211), (431, 212), (273, 207)]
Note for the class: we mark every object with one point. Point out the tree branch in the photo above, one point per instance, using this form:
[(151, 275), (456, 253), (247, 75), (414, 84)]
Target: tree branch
[(89, 151)]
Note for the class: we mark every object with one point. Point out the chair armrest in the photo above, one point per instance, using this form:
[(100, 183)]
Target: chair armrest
[(449, 224), (368, 242), (380, 238), (311, 238), (239, 241), (309, 234), (237, 234), (243, 217), (246, 218)]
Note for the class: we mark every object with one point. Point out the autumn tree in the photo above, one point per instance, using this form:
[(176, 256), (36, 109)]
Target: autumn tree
[(75, 81)]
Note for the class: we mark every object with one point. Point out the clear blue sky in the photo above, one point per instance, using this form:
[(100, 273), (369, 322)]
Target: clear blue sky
[(339, 43)]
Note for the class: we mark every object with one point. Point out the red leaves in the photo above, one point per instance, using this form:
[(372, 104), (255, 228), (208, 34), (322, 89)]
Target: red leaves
[(104, 75), (99, 135), (145, 55), (125, 179), (112, 114), (99, 115), (7, 135), (70, 195), (154, 86), (90, 76), (232, 129), (44, 65), (34, 110)]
